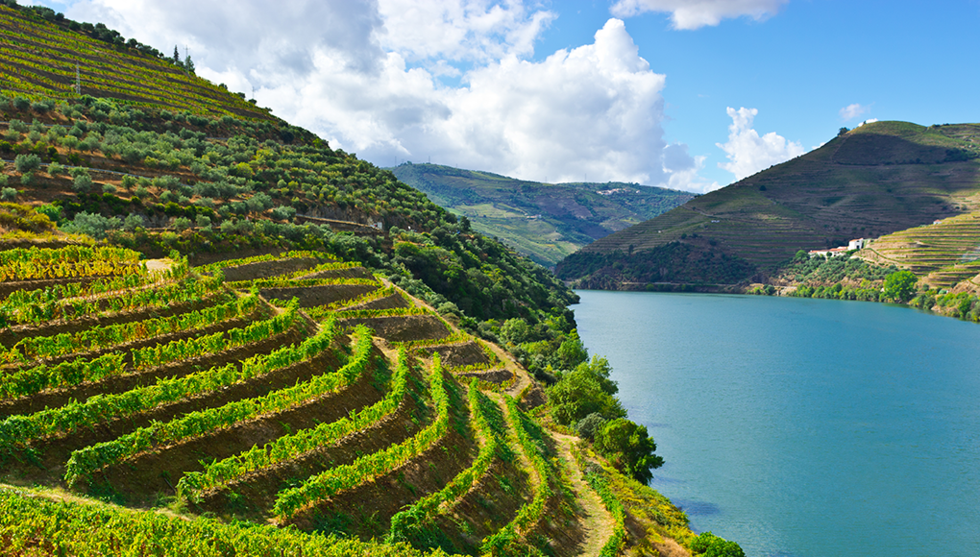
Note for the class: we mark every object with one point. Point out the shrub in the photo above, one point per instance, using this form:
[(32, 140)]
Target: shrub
[(182, 223), (108, 188), (8, 194), (132, 222), (142, 192), (94, 225), (55, 168), (27, 178), (203, 221), (21, 103), (82, 183), (629, 446), (27, 163), (588, 426)]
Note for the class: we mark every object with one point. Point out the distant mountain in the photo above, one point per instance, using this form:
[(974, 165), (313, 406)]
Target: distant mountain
[(544, 221), (874, 180)]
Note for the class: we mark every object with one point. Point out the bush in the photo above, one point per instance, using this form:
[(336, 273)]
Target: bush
[(8, 194), (142, 192), (55, 168), (712, 546), (27, 163), (629, 447), (132, 222), (82, 183), (3, 180), (182, 223), (108, 188), (203, 221), (94, 225), (588, 426), (27, 178), (21, 103)]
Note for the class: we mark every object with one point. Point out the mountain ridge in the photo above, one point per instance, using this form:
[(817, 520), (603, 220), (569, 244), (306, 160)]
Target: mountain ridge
[(543, 221)]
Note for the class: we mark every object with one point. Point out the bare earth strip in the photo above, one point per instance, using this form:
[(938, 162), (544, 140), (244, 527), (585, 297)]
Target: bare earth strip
[(597, 522)]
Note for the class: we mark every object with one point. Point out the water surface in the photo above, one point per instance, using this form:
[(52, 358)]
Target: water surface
[(801, 427)]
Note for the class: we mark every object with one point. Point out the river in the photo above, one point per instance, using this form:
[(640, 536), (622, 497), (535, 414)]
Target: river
[(801, 427)]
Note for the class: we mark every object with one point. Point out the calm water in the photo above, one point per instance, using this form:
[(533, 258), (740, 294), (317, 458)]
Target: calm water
[(803, 428)]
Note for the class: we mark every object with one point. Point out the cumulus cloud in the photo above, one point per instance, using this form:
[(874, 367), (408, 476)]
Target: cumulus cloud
[(693, 14), (749, 153), (370, 77), (868, 121), (853, 111)]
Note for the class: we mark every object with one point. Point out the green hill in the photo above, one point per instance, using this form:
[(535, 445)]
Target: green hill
[(874, 180), (545, 222), (220, 336), (48, 56)]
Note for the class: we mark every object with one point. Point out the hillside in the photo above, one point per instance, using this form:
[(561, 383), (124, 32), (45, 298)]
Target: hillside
[(545, 222), (220, 336), (874, 180), (294, 390), (48, 56)]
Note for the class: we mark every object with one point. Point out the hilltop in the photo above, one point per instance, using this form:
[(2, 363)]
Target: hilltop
[(545, 222), (871, 181)]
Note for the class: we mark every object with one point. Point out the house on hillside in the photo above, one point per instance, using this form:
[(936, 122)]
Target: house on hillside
[(860, 243)]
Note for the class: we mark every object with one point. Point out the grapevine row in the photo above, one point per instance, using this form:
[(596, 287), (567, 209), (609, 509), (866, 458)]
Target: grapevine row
[(530, 513), (85, 461), (282, 282), (68, 301), (390, 312), (329, 483), (19, 429), (31, 380), (609, 500), (34, 348), (212, 267), (405, 522), (290, 447), (32, 525)]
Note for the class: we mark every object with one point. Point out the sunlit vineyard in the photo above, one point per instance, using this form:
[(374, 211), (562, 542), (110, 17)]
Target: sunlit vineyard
[(322, 398)]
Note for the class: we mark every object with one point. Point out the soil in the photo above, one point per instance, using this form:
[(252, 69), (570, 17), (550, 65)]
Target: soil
[(402, 328), (269, 269), (352, 272), (497, 376), (313, 296), (458, 355), (388, 302), (597, 523)]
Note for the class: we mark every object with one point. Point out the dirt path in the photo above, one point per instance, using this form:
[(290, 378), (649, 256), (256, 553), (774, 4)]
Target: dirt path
[(597, 523)]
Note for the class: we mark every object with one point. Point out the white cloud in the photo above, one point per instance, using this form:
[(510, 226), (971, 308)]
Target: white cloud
[(868, 121), (368, 77), (749, 153), (692, 14), (853, 111)]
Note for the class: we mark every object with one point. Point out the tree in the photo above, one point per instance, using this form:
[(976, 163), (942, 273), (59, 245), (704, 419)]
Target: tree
[(579, 394), (176, 55), (27, 163), (842, 131), (900, 286), (629, 447)]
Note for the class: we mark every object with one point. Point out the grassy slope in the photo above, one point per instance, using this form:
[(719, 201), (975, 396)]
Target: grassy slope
[(544, 221), (875, 180)]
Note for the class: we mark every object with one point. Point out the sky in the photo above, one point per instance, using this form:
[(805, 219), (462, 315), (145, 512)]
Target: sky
[(686, 94)]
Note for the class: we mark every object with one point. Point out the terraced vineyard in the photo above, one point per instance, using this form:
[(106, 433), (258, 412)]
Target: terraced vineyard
[(282, 390), (44, 60), (945, 254)]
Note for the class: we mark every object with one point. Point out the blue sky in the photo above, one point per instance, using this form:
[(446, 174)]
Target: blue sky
[(691, 94)]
